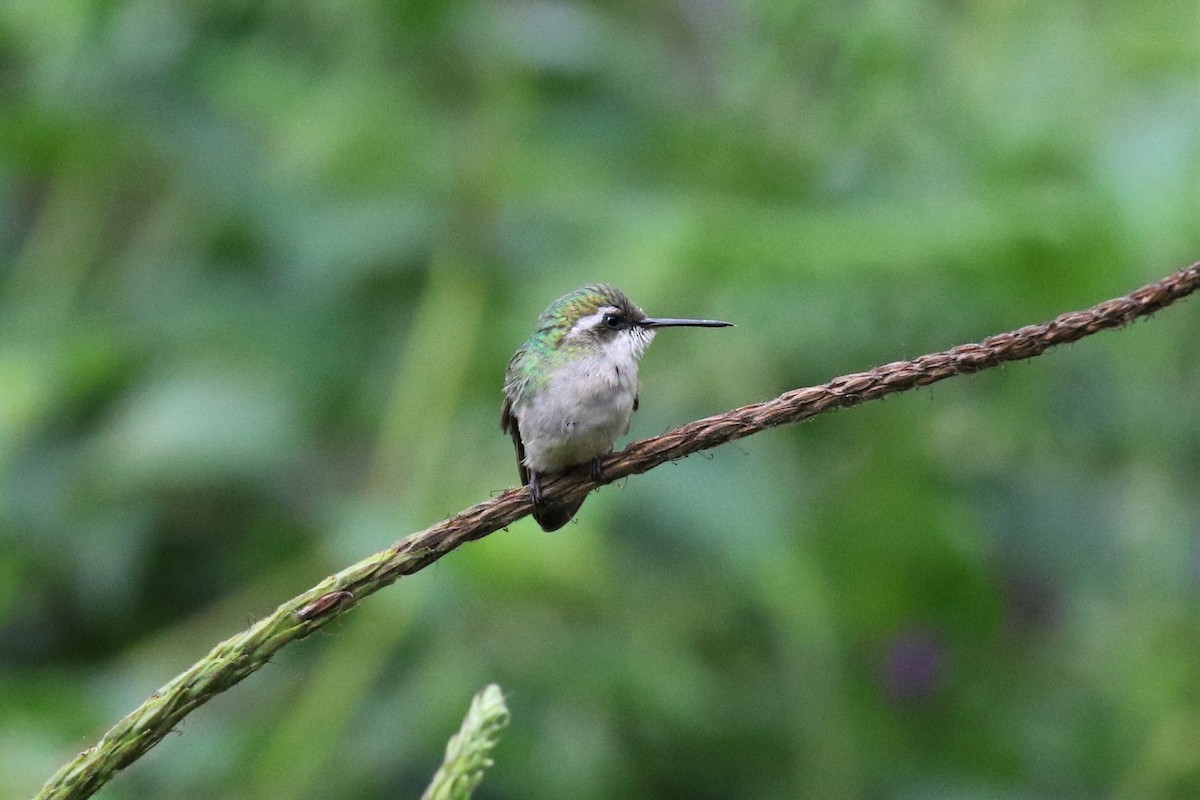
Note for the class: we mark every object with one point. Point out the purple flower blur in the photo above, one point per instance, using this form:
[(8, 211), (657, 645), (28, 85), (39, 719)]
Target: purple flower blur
[(912, 666)]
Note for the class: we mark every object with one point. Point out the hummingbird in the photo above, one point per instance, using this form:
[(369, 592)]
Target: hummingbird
[(571, 389)]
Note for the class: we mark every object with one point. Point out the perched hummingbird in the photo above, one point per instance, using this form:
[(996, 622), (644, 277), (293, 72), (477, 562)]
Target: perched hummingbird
[(572, 387)]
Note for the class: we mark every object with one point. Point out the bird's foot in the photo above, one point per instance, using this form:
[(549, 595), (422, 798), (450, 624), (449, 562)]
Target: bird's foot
[(535, 488), (596, 469)]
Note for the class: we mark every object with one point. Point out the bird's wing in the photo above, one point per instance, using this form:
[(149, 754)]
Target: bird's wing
[(508, 424)]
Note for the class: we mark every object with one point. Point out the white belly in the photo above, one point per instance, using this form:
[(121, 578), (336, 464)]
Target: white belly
[(579, 415)]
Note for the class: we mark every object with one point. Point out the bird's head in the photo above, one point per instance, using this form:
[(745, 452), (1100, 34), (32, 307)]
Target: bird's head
[(600, 317)]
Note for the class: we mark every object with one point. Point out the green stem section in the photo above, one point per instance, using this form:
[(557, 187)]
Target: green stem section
[(468, 753)]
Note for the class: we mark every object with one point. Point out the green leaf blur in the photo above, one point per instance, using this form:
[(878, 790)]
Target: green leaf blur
[(262, 267)]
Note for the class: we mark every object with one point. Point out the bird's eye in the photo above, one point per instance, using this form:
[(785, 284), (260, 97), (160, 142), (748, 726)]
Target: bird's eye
[(612, 320)]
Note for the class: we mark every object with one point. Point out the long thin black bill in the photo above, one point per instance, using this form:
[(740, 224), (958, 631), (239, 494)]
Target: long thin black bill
[(660, 322)]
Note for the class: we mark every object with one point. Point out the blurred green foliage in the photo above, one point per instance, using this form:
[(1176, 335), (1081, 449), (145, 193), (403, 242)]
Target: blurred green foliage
[(262, 267)]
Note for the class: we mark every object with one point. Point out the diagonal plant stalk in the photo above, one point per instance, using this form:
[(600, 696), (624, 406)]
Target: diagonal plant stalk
[(240, 655), (468, 753)]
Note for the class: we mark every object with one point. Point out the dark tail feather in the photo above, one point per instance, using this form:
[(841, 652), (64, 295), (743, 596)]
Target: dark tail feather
[(553, 517)]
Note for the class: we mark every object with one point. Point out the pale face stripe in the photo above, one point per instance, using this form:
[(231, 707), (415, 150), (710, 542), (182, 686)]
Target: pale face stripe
[(591, 321)]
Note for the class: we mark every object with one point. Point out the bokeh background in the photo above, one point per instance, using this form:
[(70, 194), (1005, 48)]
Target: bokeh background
[(262, 266)]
